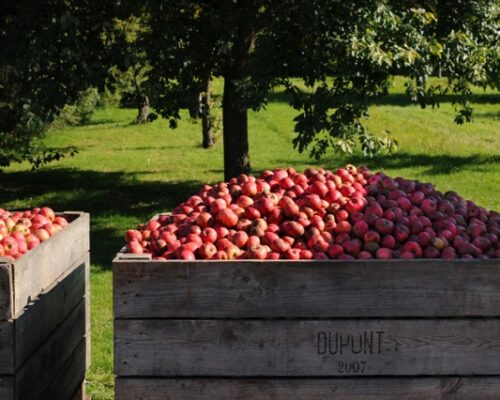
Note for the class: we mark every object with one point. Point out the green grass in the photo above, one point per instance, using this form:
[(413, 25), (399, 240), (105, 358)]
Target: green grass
[(125, 173)]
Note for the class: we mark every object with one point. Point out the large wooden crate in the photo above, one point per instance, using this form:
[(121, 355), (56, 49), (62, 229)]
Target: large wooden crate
[(44, 317), (399, 329)]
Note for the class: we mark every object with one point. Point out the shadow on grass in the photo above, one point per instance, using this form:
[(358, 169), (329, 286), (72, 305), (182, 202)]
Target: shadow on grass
[(401, 99), (113, 199), (101, 121), (432, 164), (486, 115)]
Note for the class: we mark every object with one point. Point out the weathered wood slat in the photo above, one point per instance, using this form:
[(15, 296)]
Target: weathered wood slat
[(6, 387), (37, 321), (309, 389), (81, 393), (69, 378), (330, 289), (88, 356), (35, 325), (33, 377), (7, 348), (37, 270), (274, 348), (6, 293)]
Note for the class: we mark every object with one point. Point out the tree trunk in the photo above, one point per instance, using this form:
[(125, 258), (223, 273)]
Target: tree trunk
[(194, 106), (142, 110), (234, 111), (206, 119), (142, 102), (235, 132)]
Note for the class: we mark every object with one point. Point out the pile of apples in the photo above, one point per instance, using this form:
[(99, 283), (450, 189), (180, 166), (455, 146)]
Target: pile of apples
[(319, 214), (21, 231)]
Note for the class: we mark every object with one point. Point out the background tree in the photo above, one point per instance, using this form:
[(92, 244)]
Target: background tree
[(200, 107), (128, 75), (470, 30), (344, 52), (49, 52)]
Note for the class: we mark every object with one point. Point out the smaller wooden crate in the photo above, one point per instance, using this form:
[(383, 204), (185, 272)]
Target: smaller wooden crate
[(308, 330), (44, 317)]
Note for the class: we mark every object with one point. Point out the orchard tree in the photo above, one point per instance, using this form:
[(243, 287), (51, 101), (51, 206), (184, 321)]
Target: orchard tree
[(192, 41), (344, 53), (128, 73), (49, 52)]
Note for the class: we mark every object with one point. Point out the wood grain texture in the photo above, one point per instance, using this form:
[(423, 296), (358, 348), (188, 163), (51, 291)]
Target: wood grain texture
[(88, 330), (6, 292), (6, 387), (41, 369), (81, 393), (67, 383), (281, 348), (7, 348), (23, 280), (309, 389), (306, 289), (44, 315), (40, 268), (19, 338)]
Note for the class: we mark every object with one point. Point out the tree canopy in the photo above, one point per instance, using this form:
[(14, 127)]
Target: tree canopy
[(343, 53), (49, 52)]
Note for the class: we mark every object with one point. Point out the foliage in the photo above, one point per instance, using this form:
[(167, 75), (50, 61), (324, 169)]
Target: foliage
[(81, 112), (345, 53), (50, 52), (128, 73), (23, 143)]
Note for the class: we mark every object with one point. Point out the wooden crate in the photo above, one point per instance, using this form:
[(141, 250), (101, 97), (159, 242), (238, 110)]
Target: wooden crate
[(44, 317), (398, 329)]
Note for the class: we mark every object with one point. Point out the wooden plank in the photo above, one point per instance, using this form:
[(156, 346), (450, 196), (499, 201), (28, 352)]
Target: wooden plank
[(251, 348), (88, 329), (68, 381), (309, 389), (40, 268), (81, 393), (19, 338), (6, 289), (6, 387), (7, 348), (43, 366), (43, 316), (306, 289)]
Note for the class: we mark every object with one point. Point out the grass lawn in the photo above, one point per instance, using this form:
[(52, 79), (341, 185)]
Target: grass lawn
[(125, 173)]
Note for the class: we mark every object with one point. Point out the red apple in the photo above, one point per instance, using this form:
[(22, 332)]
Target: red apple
[(412, 247), (257, 252), (43, 235), (384, 226), (227, 217), (240, 239), (48, 213), (292, 228), (383, 253), (388, 241), (133, 247), (244, 201)]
